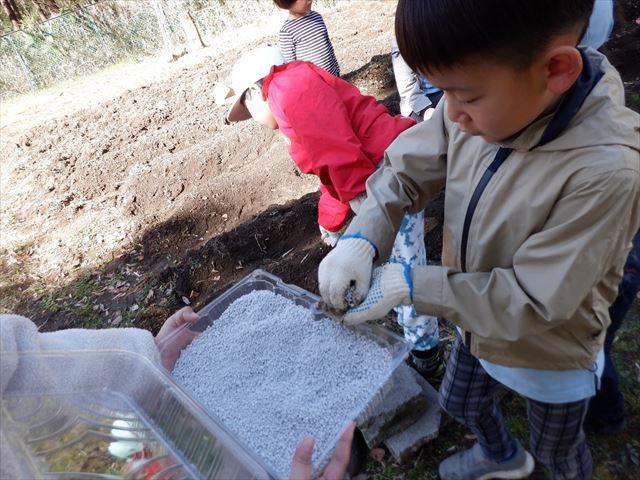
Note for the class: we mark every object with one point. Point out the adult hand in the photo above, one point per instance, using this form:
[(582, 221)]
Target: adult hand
[(346, 270), (301, 464), (170, 351), (391, 285)]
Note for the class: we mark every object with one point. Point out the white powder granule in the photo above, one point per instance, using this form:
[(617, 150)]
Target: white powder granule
[(273, 374)]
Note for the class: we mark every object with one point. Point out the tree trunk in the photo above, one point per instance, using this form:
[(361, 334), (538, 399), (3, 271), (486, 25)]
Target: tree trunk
[(46, 8), (190, 27), (13, 13), (51, 7)]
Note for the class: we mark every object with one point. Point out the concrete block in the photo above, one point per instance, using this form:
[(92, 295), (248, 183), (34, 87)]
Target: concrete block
[(403, 404), (426, 428)]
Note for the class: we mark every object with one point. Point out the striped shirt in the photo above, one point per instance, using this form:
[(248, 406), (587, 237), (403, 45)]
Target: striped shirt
[(306, 38)]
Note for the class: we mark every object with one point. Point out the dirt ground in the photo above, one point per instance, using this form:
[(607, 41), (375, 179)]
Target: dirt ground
[(150, 190), (124, 196)]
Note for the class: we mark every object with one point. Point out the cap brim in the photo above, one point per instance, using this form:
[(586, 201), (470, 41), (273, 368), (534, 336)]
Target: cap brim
[(238, 112)]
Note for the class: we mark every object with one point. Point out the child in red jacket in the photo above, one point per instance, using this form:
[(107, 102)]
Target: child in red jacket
[(339, 135)]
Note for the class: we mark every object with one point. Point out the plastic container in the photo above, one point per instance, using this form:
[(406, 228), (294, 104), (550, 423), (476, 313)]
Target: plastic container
[(57, 432), (140, 412), (261, 280), (397, 346)]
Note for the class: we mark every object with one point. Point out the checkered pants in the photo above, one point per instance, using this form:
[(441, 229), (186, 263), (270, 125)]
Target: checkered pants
[(556, 437)]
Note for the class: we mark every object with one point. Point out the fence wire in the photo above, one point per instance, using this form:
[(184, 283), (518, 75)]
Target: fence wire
[(89, 38)]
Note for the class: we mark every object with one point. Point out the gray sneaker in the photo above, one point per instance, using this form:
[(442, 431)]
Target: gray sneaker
[(473, 465)]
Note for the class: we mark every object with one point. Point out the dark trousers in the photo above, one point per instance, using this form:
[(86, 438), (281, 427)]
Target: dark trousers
[(608, 404), (556, 437)]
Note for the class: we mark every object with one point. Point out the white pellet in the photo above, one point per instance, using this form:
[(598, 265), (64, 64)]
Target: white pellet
[(273, 374)]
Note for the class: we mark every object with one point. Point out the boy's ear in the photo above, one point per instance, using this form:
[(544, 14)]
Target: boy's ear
[(563, 67)]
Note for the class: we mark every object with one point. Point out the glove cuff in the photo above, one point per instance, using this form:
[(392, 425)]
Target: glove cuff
[(398, 282), (359, 245)]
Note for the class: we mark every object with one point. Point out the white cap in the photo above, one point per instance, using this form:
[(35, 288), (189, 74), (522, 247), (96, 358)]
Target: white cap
[(248, 69)]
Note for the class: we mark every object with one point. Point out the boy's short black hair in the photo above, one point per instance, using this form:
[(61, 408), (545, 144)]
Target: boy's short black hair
[(284, 4), (436, 34)]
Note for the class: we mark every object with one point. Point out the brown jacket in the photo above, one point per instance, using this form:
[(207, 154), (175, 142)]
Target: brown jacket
[(547, 240)]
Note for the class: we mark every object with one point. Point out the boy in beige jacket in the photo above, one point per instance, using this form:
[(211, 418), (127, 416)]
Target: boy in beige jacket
[(540, 160)]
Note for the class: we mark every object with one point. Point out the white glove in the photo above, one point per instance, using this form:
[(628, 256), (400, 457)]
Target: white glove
[(346, 270), (356, 203), (330, 238), (391, 285)]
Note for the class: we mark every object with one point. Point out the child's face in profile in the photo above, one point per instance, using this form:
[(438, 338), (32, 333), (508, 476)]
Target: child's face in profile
[(491, 99), (259, 108)]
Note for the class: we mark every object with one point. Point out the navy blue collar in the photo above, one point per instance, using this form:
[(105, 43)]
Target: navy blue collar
[(573, 99)]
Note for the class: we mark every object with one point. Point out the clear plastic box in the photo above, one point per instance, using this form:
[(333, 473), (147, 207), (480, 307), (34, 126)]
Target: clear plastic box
[(61, 433), (397, 346)]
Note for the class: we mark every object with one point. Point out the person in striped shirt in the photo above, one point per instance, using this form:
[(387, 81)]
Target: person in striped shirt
[(304, 36)]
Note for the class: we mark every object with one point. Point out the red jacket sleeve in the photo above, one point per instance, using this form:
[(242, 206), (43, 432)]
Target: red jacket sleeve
[(332, 213)]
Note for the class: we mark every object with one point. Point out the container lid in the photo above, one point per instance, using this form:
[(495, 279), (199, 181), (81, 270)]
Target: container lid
[(138, 424)]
